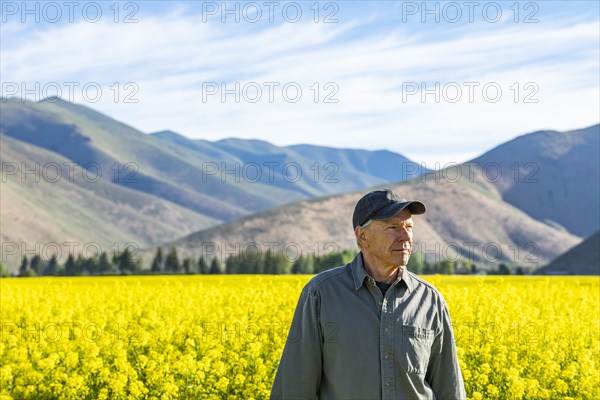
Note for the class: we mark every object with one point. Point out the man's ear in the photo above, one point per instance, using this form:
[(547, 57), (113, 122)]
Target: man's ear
[(360, 234)]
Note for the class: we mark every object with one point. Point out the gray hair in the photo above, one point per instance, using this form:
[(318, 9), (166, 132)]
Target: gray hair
[(365, 225)]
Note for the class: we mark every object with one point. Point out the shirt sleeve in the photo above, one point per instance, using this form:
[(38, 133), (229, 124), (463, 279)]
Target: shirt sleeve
[(299, 373), (443, 372)]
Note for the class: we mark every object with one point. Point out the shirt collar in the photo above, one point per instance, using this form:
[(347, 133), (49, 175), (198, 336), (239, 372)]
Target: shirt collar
[(358, 271), (360, 274)]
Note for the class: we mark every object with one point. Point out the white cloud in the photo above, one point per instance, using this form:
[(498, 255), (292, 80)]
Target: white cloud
[(169, 57)]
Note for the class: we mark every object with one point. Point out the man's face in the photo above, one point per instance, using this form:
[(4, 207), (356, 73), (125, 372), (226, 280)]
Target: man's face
[(390, 241)]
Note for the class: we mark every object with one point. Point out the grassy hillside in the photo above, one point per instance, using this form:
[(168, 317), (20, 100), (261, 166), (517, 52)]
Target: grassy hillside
[(464, 220), (552, 176), (583, 259), (524, 202), (58, 205), (156, 188), (86, 136), (213, 179), (149, 188)]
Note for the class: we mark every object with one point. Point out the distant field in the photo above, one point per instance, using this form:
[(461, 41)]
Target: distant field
[(220, 337)]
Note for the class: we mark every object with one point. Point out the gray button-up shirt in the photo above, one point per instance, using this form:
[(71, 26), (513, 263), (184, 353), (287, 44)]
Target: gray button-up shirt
[(348, 341)]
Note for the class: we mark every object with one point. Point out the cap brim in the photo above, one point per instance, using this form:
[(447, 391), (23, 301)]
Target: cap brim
[(415, 207)]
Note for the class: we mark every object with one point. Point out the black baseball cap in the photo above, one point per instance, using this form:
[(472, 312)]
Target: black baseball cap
[(383, 204)]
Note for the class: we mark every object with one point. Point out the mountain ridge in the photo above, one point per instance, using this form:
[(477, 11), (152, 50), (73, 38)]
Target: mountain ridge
[(545, 172), (445, 231), (181, 187), (583, 259), (190, 181), (516, 230)]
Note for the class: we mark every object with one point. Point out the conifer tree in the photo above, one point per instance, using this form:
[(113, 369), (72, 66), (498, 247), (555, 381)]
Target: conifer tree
[(91, 265), (303, 265), (214, 266), (36, 264), (157, 263), (232, 264), (416, 263), (24, 270), (187, 265), (172, 261), (52, 267), (127, 264), (276, 263), (202, 266), (446, 267), (80, 265), (104, 266), (70, 265)]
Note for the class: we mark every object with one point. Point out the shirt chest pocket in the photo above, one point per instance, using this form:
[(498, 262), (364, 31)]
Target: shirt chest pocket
[(415, 349)]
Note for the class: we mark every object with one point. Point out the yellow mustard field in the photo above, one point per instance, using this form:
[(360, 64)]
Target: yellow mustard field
[(220, 337)]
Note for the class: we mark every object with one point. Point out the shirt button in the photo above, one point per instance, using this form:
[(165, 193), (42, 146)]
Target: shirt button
[(387, 384), (380, 303), (386, 356), (387, 329)]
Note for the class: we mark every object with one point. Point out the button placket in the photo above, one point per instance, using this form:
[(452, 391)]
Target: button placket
[(386, 349), (375, 292)]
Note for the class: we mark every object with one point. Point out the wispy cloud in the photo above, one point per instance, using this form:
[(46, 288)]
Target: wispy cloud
[(170, 57)]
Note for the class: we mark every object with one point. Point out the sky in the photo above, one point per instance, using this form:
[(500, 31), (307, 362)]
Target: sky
[(439, 82)]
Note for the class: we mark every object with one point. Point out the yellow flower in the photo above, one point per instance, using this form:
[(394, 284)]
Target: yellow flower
[(176, 337)]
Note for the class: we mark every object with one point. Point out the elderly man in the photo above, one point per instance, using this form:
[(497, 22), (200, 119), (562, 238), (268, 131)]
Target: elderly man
[(371, 329)]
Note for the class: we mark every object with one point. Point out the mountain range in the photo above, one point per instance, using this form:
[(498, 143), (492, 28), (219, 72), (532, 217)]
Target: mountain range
[(101, 182), (524, 203), (71, 174), (552, 176)]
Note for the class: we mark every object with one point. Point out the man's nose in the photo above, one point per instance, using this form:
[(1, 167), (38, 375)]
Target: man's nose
[(403, 234)]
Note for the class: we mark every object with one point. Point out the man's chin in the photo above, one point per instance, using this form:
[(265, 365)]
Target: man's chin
[(401, 260)]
